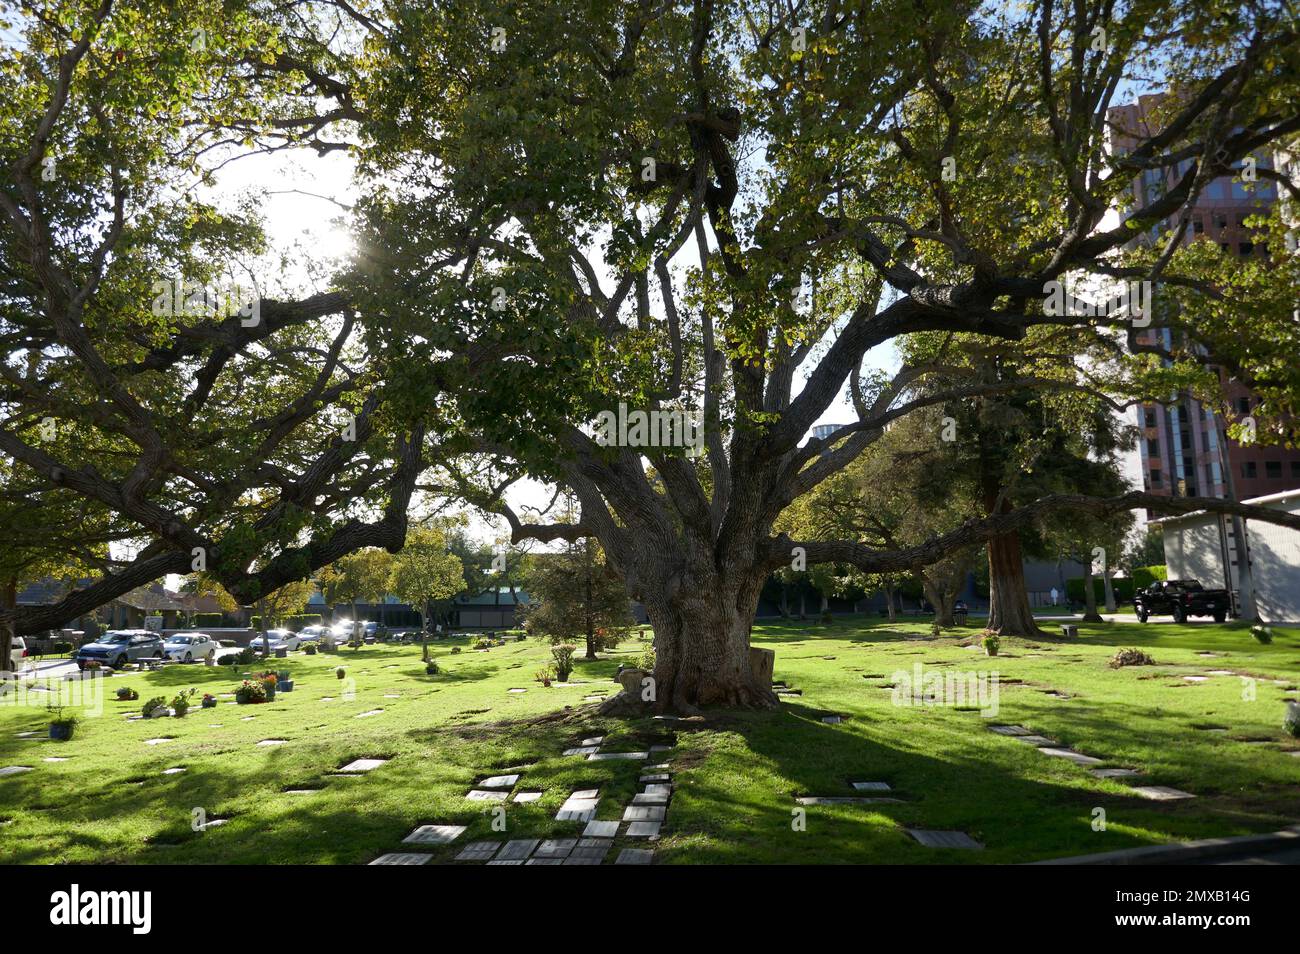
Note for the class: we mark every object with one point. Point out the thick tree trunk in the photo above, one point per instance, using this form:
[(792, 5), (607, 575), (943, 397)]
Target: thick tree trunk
[(785, 600), (9, 629), (941, 601), (1009, 612), (891, 606), (702, 648), (591, 623), (1090, 614), (1110, 591)]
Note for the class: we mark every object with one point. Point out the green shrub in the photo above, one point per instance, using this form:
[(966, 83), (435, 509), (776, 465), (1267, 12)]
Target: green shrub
[(646, 660), (127, 694), (1144, 576), (340, 672), (431, 668), (62, 648), (209, 620), (1130, 657), (1263, 634), (251, 691), (154, 703), (310, 649), (563, 655)]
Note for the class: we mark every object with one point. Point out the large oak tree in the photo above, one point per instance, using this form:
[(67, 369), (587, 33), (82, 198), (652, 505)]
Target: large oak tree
[(567, 207)]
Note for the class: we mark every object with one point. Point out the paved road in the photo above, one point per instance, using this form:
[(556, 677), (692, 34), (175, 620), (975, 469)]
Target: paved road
[(57, 668)]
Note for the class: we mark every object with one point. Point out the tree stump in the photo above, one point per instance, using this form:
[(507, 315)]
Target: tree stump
[(762, 662)]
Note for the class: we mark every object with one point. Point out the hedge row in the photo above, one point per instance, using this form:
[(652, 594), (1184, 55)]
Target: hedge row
[(295, 623), (1125, 587)]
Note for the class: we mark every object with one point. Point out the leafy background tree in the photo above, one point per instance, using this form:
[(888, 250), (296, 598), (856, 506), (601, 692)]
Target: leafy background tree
[(578, 597), (425, 572), (358, 577)]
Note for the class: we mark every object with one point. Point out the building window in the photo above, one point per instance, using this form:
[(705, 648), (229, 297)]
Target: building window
[(1150, 417), (1220, 220), (1295, 468), (1273, 469), (1198, 225), (1155, 477), (1245, 248), (1243, 405), (1153, 448), (1223, 246), (1250, 470), (1186, 439)]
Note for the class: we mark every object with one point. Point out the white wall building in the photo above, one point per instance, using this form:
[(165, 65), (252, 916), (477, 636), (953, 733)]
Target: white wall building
[(1198, 546)]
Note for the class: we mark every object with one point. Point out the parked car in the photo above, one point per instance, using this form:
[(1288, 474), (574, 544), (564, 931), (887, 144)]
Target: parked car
[(1181, 599), (279, 639), (312, 634), (345, 631), (118, 647), (17, 651), (188, 647)]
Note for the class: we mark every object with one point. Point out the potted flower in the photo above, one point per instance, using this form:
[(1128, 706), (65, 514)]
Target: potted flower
[(544, 676), (431, 668), (181, 702), (154, 708), (126, 694), (1264, 634), (62, 727), (1291, 721), (341, 672), (209, 701), (991, 644)]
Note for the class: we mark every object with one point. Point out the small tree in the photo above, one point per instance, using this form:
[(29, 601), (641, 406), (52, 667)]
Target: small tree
[(580, 597), (276, 605), (358, 576), (424, 571)]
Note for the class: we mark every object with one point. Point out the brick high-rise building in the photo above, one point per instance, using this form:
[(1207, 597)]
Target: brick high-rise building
[(1182, 442)]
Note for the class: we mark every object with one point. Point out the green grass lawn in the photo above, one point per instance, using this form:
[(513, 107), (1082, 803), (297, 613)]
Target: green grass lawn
[(736, 775)]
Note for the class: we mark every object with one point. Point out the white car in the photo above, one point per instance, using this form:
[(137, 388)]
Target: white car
[(187, 647), (17, 650), (279, 638)]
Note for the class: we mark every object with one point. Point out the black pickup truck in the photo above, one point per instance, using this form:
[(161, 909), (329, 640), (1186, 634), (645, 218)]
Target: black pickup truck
[(1181, 599)]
